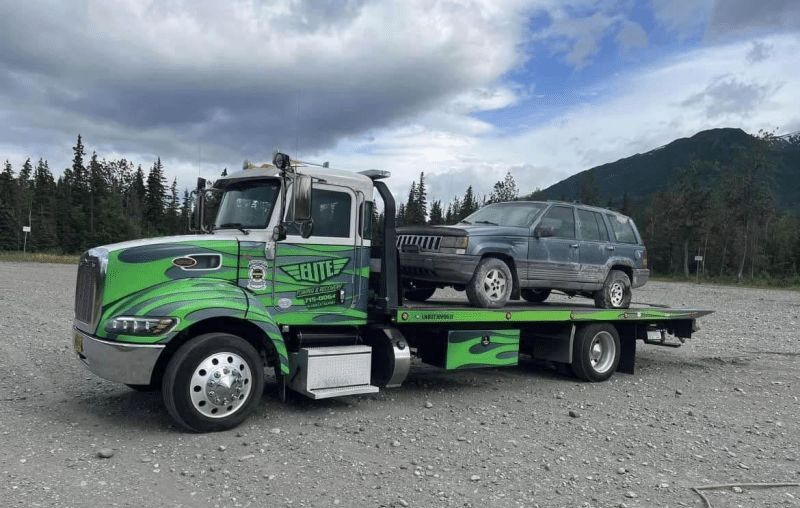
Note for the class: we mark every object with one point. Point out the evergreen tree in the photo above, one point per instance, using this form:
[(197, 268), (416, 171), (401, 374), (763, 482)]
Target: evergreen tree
[(410, 212), (44, 233), (469, 204), (421, 211), (437, 217), (400, 218), (505, 190), (8, 209), (589, 192), (154, 199)]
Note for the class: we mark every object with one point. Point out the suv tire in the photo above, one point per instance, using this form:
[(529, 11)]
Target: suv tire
[(535, 295), (616, 292), (419, 294), (491, 284)]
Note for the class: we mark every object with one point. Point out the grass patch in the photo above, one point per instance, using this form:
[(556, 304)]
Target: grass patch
[(790, 283), (38, 257)]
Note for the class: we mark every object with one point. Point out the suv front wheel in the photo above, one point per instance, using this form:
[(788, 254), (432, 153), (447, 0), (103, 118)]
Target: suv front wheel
[(491, 284), (616, 292)]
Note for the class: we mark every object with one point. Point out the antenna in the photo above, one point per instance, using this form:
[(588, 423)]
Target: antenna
[(297, 126)]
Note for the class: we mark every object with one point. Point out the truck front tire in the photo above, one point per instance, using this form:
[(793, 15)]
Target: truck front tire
[(596, 352), (213, 382), (491, 284)]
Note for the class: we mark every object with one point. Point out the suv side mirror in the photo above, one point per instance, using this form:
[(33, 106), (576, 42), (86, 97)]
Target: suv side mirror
[(541, 231)]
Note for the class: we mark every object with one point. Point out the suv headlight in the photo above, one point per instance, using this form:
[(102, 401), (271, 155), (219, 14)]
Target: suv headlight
[(454, 244)]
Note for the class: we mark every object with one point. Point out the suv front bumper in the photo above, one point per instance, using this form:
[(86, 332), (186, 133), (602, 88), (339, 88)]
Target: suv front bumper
[(436, 267)]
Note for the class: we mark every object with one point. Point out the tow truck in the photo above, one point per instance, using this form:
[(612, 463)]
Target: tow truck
[(290, 278)]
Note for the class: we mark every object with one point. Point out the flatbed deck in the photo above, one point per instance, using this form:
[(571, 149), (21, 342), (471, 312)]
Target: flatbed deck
[(450, 311)]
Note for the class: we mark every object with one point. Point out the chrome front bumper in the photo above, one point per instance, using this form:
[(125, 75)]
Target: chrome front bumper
[(127, 363)]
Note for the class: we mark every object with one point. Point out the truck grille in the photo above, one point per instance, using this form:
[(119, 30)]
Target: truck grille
[(88, 291), (424, 242)]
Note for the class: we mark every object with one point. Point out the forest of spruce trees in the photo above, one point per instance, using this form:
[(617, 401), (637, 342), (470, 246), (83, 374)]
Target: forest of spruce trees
[(733, 224)]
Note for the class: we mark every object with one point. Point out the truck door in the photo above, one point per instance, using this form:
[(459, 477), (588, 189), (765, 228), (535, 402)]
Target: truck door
[(554, 257), (317, 279)]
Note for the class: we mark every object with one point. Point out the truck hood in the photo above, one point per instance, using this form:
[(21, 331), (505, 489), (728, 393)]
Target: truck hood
[(140, 264)]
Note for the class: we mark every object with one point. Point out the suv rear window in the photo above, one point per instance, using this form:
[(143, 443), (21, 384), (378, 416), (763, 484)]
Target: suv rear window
[(623, 228), (593, 227)]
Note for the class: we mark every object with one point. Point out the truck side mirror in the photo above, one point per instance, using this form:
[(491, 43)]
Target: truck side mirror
[(197, 218), (302, 198), (306, 228), (279, 233)]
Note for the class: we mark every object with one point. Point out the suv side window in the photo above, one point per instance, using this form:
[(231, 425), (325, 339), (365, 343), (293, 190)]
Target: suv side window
[(623, 228), (592, 226), (562, 220)]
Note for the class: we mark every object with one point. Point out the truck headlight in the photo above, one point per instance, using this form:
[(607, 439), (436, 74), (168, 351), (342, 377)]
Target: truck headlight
[(455, 244), (125, 325)]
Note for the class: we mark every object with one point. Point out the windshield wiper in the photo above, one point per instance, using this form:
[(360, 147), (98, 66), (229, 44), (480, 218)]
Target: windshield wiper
[(237, 225), (486, 222), (464, 221)]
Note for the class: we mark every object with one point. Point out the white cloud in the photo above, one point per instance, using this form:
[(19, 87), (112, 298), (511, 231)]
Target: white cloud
[(639, 111)]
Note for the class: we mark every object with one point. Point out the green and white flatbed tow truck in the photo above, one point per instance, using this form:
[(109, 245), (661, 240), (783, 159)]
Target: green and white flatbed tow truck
[(290, 278)]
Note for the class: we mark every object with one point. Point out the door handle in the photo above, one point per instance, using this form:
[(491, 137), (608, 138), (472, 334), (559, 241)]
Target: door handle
[(574, 245), (609, 247)]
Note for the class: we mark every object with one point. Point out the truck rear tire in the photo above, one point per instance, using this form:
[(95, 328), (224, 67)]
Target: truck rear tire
[(213, 382), (491, 284), (616, 291), (596, 352)]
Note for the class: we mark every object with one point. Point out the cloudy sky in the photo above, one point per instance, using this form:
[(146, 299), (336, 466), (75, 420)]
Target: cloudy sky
[(464, 90)]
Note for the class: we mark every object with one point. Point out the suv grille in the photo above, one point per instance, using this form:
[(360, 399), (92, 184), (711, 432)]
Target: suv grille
[(424, 242)]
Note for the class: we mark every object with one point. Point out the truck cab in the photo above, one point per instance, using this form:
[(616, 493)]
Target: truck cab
[(284, 267)]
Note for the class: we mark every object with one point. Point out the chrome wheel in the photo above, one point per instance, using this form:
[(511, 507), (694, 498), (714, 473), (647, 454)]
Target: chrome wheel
[(602, 352), (596, 351), (219, 385)]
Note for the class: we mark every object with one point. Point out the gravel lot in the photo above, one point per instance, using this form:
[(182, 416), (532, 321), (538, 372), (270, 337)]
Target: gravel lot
[(723, 409)]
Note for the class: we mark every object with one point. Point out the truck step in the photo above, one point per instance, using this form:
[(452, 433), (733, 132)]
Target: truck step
[(341, 391)]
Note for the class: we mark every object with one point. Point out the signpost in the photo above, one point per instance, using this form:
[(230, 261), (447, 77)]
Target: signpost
[(26, 230), (698, 260)]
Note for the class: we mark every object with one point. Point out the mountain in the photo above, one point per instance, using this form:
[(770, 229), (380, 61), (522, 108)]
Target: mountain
[(642, 175)]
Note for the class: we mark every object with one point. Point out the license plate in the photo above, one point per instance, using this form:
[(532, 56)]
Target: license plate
[(77, 343)]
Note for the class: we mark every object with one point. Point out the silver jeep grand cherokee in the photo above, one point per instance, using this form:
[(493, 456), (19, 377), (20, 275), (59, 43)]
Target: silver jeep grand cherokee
[(526, 248)]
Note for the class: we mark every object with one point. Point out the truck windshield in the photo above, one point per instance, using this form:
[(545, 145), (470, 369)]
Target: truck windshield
[(520, 214), (247, 205)]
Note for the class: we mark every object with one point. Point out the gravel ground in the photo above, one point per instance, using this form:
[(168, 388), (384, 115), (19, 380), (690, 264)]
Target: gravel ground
[(723, 409)]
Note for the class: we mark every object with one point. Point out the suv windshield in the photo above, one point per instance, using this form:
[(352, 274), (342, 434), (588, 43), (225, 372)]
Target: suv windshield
[(247, 205), (520, 214)]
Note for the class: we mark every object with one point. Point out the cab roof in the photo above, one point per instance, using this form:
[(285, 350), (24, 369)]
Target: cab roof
[(356, 181)]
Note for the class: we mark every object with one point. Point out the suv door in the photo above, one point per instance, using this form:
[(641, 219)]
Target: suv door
[(553, 260), (595, 246)]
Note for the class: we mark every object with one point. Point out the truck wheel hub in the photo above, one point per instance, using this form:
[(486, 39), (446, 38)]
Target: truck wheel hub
[(220, 384)]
